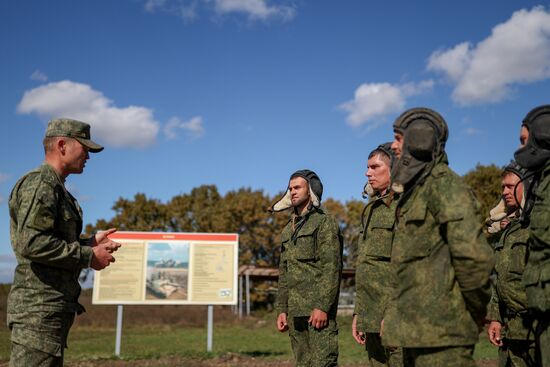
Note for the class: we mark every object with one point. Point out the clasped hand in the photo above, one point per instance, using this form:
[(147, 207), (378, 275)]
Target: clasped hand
[(103, 248)]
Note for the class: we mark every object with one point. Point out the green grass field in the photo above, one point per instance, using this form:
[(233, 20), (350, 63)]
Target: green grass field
[(252, 337)]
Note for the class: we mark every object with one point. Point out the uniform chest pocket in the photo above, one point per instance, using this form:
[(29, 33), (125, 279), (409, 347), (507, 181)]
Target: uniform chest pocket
[(305, 246), (518, 258), (540, 216), (539, 224), (378, 239), (420, 231), (71, 225), (416, 214)]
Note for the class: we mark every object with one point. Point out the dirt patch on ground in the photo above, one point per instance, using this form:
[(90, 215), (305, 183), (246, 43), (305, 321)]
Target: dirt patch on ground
[(230, 360)]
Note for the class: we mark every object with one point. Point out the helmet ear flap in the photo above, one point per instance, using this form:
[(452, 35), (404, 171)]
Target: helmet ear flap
[(536, 151), (421, 140), (540, 130)]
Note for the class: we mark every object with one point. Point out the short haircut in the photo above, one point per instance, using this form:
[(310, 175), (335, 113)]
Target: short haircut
[(49, 143)]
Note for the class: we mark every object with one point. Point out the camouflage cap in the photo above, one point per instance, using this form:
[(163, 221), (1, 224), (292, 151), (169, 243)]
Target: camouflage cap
[(73, 129)]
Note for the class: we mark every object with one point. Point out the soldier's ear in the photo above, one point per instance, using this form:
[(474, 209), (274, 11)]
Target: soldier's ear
[(61, 145)]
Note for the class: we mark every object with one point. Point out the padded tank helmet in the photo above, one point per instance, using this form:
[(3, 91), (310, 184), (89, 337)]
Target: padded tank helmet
[(536, 151), (315, 191), (425, 133), (385, 149)]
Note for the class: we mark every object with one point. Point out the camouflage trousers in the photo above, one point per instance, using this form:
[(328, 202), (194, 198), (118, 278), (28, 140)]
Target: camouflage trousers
[(380, 356), (313, 347), (39, 338), (517, 353), (542, 338), (460, 356)]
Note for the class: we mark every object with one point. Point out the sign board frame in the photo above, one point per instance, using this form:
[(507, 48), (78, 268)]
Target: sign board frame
[(201, 249)]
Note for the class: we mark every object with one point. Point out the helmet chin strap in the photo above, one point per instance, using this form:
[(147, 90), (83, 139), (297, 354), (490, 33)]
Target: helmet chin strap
[(526, 205)]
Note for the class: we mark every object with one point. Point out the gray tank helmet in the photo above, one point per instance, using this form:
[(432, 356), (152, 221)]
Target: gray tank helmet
[(501, 211), (425, 133), (536, 151), (516, 169), (315, 191)]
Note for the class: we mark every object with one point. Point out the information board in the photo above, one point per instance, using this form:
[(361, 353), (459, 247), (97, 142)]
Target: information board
[(170, 268)]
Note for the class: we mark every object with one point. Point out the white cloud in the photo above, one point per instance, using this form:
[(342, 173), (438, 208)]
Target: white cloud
[(516, 52), (194, 127), (253, 9), (39, 76), (452, 62), (376, 100), (131, 126)]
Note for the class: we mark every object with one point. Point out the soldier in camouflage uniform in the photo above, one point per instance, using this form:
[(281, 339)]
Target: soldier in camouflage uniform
[(374, 276), (441, 257), (45, 227), (310, 271), (534, 156), (511, 326)]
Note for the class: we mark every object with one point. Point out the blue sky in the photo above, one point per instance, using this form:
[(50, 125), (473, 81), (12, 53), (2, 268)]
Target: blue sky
[(244, 92), (168, 251)]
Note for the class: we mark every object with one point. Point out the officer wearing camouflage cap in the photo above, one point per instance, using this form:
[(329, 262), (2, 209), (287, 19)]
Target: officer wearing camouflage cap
[(534, 156), (439, 253), (310, 271), (511, 325), (374, 277), (45, 228)]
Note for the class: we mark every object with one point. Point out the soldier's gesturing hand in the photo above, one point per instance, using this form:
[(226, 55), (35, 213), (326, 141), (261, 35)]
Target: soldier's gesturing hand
[(494, 333), (359, 336), (318, 319), (101, 257), (101, 238), (282, 324)]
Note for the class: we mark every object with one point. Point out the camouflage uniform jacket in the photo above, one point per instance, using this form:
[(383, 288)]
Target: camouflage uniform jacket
[(374, 276), (536, 277), (310, 268), (443, 263), (45, 225), (509, 302)]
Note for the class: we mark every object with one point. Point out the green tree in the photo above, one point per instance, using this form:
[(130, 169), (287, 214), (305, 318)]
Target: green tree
[(139, 214), (198, 211), (485, 181), (349, 217)]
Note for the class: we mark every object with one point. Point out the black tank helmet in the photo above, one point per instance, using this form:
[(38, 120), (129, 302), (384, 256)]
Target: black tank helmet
[(385, 149), (536, 151), (425, 133), (315, 191)]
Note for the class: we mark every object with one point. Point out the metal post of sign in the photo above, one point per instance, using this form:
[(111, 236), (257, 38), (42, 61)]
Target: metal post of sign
[(118, 330), (240, 303), (210, 328), (247, 294)]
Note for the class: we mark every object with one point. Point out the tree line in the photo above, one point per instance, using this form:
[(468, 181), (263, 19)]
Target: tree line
[(244, 211)]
